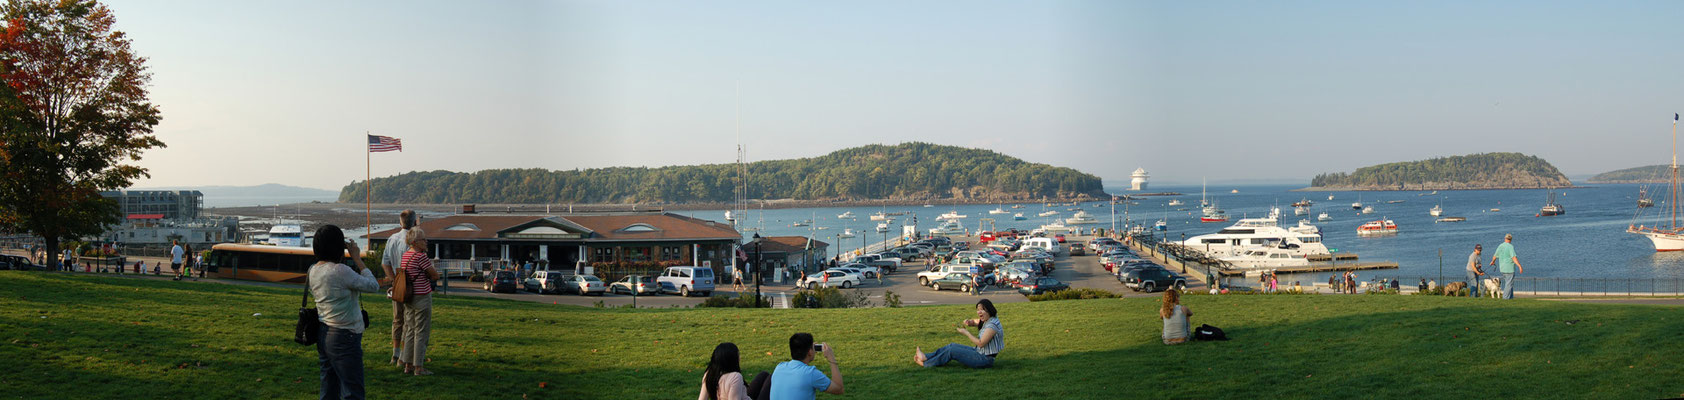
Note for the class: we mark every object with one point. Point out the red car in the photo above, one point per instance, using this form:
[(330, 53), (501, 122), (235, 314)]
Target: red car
[(1060, 237)]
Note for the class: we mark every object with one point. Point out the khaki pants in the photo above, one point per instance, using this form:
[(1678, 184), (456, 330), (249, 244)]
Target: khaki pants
[(418, 325), (397, 328)]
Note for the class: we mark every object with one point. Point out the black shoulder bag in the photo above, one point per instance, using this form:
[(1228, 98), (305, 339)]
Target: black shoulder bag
[(309, 320)]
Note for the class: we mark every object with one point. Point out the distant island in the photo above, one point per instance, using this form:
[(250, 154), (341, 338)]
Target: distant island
[(1649, 174), (1475, 171), (908, 171)]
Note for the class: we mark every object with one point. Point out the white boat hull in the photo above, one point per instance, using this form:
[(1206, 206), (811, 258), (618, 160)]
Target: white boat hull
[(1663, 241)]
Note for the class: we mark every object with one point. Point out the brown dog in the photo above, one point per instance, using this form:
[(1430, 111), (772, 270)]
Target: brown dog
[(1454, 288)]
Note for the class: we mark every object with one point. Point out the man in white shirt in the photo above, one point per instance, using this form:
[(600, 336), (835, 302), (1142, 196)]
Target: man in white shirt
[(175, 258)]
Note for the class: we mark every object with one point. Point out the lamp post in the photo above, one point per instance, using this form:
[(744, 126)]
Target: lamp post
[(757, 266)]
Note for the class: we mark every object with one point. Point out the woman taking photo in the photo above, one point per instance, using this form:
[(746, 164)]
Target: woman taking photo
[(985, 345), (724, 380), (418, 311), (336, 286), (1175, 315)]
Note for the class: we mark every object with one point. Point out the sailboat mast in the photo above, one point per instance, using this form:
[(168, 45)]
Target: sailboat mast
[(1673, 198)]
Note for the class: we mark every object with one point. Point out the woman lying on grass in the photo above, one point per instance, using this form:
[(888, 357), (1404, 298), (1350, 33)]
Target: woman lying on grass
[(987, 343)]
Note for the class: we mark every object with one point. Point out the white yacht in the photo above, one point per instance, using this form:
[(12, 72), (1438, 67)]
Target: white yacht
[(999, 210), (1249, 233), (1053, 228), (846, 215), (1081, 218), (1368, 210), (1048, 213), (1266, 258), (1275, 213), (1176, 202), (286, 234), (1436, 211), (950, 215), (1300, 211), (1323, 217), (949, 228), (879, 216), (882, 227), (846, 233)]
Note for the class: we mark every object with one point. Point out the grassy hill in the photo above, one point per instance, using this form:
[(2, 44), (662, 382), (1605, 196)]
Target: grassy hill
[(1645, 174), (1475, 171), (106, 337)]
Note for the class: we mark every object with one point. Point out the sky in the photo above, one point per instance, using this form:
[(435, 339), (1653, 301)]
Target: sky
[(283, 92)]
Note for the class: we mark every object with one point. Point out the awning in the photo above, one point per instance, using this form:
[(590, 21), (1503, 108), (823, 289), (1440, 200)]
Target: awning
[(146, 216)]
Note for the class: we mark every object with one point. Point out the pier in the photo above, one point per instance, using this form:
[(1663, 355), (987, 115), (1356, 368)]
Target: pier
[(1316, 268), (1326, 257)]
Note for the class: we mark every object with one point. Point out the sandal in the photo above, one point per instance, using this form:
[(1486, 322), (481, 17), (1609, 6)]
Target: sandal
[(422, 372)]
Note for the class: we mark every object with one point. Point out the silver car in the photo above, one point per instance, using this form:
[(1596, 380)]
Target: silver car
[(584, 284)]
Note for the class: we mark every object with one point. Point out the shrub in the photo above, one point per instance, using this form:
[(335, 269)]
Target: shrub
[(891, 299), (1074, 294), (743, 300), (830, 297)]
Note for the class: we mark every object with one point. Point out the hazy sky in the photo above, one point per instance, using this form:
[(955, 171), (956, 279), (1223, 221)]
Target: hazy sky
[(282, 92)]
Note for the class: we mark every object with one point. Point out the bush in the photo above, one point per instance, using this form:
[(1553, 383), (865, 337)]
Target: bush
[(1074, 294), (891, 299), (830, 297), (743, 300)]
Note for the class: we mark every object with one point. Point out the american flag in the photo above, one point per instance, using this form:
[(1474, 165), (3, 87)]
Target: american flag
[(378, 144)]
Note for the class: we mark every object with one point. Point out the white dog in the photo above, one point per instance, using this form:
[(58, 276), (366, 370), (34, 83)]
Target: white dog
[(1492, 287)]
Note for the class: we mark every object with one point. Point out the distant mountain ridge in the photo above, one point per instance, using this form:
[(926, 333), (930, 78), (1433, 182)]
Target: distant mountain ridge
[(1475, 171), (264, 190), (1645, 174), (905, 171)]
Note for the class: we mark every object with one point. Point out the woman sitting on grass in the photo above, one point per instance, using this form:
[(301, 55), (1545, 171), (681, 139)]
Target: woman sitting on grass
[(990, 339), (1175, 315), (724, 380)]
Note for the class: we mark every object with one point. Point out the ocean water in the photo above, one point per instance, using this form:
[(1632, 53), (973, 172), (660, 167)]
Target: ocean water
[(1587, 242)]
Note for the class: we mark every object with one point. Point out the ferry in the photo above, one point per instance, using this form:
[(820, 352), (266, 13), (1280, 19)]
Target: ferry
[(286, 235), (1249, 233), (1376, 228)]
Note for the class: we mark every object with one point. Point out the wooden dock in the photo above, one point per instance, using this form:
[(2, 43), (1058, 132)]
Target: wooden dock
[(1325, 257), (1318, 268)]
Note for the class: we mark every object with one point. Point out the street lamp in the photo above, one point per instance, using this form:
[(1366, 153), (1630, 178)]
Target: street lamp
[(757, 266)]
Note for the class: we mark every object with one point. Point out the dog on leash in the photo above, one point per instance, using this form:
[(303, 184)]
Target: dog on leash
[(1492, 287), (1454, 288)]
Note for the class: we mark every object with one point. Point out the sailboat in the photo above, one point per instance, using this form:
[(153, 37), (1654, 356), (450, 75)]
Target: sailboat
[(1211, 212), (1670, 238), (1358, 204)]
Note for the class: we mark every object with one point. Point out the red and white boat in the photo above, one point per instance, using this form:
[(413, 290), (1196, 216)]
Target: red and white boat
[(1381, 227), (1669, 237)]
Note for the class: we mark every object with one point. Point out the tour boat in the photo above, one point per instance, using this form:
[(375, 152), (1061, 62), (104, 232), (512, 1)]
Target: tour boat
[(1671, 237), (287, 235), (1380, 227), (1252, 233), (846, 215), (1081, 218), (1550, 208), (1324, 217)]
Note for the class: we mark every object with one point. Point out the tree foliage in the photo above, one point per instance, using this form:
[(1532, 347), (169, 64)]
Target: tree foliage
[(905, 171), (1482, 171), (73, 109), (1645, 174)]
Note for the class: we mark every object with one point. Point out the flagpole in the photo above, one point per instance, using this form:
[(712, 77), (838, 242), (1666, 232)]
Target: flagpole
[(368, 192)]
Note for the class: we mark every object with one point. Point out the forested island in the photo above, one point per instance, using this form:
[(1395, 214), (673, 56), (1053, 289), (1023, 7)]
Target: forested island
[(905, 171), (1475, 171), (1648, 174)]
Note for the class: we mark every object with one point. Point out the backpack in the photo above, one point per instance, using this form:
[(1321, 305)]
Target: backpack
[(1207, 332)]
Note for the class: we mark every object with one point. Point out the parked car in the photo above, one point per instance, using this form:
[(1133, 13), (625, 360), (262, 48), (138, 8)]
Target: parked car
[(866, 270), (584, 284), (838, 278), (952, 282), (688, 279), (1131, 265), (1153, 279), (645, 285), (942, 271), (1041, 285), (1060, 237), (543, 282), (1077, 249), (1048, 245), (500, 281), (1019, 271), (19, 263)]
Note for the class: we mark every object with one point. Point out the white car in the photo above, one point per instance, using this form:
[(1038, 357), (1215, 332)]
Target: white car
[(837, 278), (942, 271), (867, 271)]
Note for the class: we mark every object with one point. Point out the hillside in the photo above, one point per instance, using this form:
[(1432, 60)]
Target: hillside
[(905, 171), (1648, 174), (1476, 171)]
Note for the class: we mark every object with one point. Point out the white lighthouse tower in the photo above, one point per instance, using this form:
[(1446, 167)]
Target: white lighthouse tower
[(1139, 181)]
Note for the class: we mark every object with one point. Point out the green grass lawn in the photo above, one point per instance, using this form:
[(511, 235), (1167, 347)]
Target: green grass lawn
[(127, 338)]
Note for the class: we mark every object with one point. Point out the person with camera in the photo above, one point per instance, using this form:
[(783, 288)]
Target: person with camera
[(336, 285), (796, 380)]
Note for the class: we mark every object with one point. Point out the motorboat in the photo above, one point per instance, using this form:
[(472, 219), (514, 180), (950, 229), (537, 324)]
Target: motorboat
[(1018, 217), (1368, 210), (1233, 191), (846, 215), (1213, 214), (1017, 206), (1081, 218), (846, 233), (1323, 217), (998, 211), (1266, 258), (1376, 228), (1550, 208), (1048, 213), (1302, 202), (1161, 225), (1330, 197), (1177, 202), (1300, 210), (801, 223), (950, 215), (879, 216), (1250, 233), (928, 206), (1053, 228), (1356, 205), (1436, 211), (1304, 226), (1450, 219), (1393, 201), (949, 228), (883, 227)]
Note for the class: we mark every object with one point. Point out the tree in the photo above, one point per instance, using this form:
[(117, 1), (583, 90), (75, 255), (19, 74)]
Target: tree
[(73, 109)]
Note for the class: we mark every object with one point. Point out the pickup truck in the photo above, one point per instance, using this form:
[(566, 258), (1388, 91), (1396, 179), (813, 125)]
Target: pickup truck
[(942, 271)]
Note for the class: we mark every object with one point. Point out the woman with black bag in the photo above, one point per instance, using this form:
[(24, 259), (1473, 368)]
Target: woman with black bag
[(335, 285)]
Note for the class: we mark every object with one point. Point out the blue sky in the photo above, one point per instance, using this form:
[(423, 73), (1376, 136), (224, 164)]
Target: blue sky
[(261, 92)]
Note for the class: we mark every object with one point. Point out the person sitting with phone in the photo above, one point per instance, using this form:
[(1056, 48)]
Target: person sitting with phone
[(985, 345), (796, 380)]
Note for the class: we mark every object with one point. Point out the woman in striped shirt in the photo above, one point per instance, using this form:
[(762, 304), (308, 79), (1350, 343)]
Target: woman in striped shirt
[(985, 345), (418, 312)]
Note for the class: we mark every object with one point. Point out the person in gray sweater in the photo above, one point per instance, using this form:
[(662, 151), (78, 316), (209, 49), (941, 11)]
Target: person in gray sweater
[(336, 285)]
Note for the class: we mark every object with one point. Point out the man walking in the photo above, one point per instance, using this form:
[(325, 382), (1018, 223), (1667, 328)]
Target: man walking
[(1474, 273), (1509, 264), (390, 260), (176, 253)]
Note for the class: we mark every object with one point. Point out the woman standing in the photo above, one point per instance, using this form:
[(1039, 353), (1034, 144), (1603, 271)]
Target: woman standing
[(724, 378), (1176, 324), (335, 286), (418, 312), (989, 341)]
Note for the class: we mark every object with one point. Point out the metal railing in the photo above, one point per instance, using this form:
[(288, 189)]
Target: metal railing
[(1546, 286)]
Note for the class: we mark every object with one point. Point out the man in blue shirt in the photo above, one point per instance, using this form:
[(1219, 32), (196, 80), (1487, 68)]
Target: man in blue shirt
[(796, 380), (1507, 263)]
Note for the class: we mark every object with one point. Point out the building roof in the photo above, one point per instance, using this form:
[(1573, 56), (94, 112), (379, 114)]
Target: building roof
[(784, 244), (588, 227)]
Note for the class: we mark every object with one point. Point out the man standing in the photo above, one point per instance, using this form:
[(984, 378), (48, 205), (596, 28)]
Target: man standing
[(1507, 263), (175, 258), (1474, 273), (796, 380), (396, 245)]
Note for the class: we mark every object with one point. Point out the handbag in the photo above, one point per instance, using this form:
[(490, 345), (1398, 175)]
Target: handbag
[(402, 288), (307, 331)]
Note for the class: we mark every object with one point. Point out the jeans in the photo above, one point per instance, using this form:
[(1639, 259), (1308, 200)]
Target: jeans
[(966, 355), (340, 353), (1473, 284), (1508, 286)]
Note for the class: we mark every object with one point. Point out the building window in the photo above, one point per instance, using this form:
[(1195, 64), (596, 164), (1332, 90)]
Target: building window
[(602, 254), (672, 253), (637, 254)]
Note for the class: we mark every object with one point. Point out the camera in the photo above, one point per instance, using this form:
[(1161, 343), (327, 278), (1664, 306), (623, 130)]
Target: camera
[(818, 348)]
